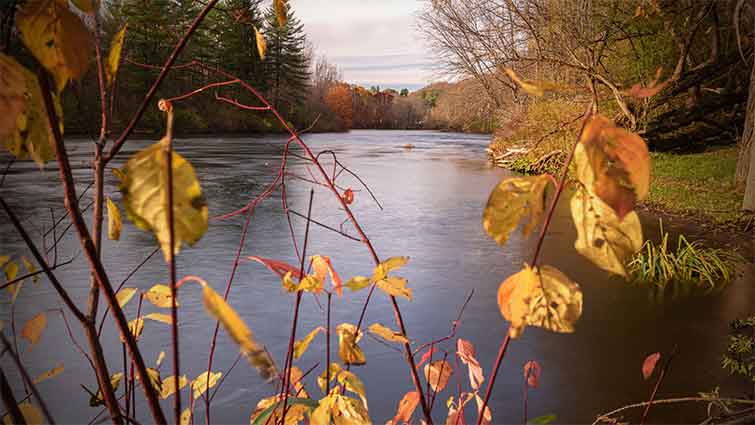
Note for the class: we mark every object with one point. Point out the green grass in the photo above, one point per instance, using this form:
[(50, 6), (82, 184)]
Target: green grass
[(699, 185)]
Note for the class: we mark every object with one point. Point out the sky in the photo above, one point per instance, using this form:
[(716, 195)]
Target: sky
[(373, 42)]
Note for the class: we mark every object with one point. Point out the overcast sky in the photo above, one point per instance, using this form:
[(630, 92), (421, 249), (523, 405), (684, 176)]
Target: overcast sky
[(373, 42)]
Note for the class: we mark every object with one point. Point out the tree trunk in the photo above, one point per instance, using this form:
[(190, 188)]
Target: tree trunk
[(745, 168)]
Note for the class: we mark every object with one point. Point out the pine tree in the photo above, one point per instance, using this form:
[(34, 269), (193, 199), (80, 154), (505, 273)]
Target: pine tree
[(287, 62)]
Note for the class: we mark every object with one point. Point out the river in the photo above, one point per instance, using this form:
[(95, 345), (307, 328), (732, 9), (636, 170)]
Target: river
[(432, 198)]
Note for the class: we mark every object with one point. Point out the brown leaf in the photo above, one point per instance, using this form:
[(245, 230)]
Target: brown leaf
[(348, 350), (437, 374), (466, 353), (532, 371), (614, 164), (648, 366), (32, 329), (406, 408)]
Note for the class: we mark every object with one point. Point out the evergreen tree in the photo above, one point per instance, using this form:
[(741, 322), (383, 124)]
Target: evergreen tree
[(237, 43)]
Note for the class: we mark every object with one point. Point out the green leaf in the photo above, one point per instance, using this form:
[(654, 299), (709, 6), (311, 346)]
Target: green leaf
[(602, 237), (114, 56), (56, 37), (513, 199), (145, 194), (542, 420), (114, 222)]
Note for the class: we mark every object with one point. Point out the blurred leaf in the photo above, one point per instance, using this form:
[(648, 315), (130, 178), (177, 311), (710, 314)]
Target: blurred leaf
[(160, 358), (160, 296), (238, 331), (31, 413), (3, 260), (637, 91), (301, 346), (201, 382), (135, 326), (114, 222), (322, 268), (387, 333), (358, 282), (297, 377), (438, 373), (532, 371), (12, 101), (30, 268), (466, 352), (169, 385), (160, 317), (56, 37), (348, 349), (145, 193), (542, 420), (513, 199), (281, 11), (124, 295), (528, 87), (114, 55), (406, 408), (348, 196), (648, 366), (352, 383), (97, 399), (57, 370), (614, 164), (11, 272), (154, 379), (542, 297), (395, 286), (186, 417), (273, 406), (32, 329), (335, 368), (602, 237), (261, 43)]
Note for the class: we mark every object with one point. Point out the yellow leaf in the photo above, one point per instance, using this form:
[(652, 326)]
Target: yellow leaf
[(614, 164), (602, 237), (32, 329), (238, 331), (154, 379), (115, 381), (186, 416), (513, 199), (4, 259), (160, 296), (528, 87), (296, 379), (11, 272), (56, 37), (29, 266), (437, 374), (281, 11), (160, 317), (387, 333), (294, 414), (114, 56), (135, 327), (114, 223), (145, 193), (160, 358), (169, 385), (29, 134), (201, 383), (335, 368), (348, 350), (542, 297), (31, 413), (358, 282), (487, 418), (310, 283), (352, 383), (301, 346), (57, 370), (322, 268), (387, 266), (124, 295), (341, 410), (261, 43), (395, 286)]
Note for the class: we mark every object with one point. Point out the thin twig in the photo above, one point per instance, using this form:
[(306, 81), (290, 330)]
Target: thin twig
[(27, 379)]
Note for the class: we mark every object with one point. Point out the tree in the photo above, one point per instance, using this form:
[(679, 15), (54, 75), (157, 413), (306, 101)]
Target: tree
[(404, 92), (339, 101)]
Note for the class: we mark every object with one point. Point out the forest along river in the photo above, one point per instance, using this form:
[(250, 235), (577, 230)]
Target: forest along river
[(432, 198)]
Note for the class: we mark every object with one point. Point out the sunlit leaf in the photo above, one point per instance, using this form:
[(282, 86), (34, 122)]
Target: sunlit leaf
[(154, 379), (238, 331), (387, 333), (352, 383), (406, 408), (301, 346), (322, 268), (513, 199), (648, 366), (348, 350), (341, 410), (56, 37), (358, 282), (11, 272), (145, 194), (532, 372), (387, 266), (456, 410), (281, 11), (297, 377), (542, 297), (261, 43), (57, 370), (135, 326), (160, 358), (97, 399), (602, 237), (528, 87), (30, 268), (31, 413), (270, 410), (395, 286), (160, 296), (335, 368), (487, 418), (309, 283), (124, 295), (614, 164), (160, 317), (204, 381), (438, 373), (169, 385), (466, 352), (114, 55), (114, 222), (32, 329), (186, 417), (24, 128)]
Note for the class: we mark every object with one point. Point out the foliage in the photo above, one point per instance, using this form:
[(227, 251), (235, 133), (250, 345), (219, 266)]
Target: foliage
[(739, 358)]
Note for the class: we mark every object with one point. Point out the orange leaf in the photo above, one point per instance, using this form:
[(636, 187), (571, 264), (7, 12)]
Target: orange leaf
[(406, 408), (648, 366), (532, 371), (321, 266), (348, 196)]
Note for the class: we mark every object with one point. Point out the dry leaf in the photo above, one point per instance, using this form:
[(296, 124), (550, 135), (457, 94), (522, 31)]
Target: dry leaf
[(388, 334), (32, 329), (437, 374), (348, 350), (513, 199)]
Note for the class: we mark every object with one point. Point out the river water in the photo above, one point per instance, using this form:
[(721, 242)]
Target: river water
[(432, 198)]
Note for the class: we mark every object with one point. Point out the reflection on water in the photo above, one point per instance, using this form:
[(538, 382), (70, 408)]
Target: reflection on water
[(432, 198)]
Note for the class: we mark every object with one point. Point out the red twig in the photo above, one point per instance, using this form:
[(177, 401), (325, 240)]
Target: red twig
[(240, 105), (27, 379), (658, 385), (201, 89)]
